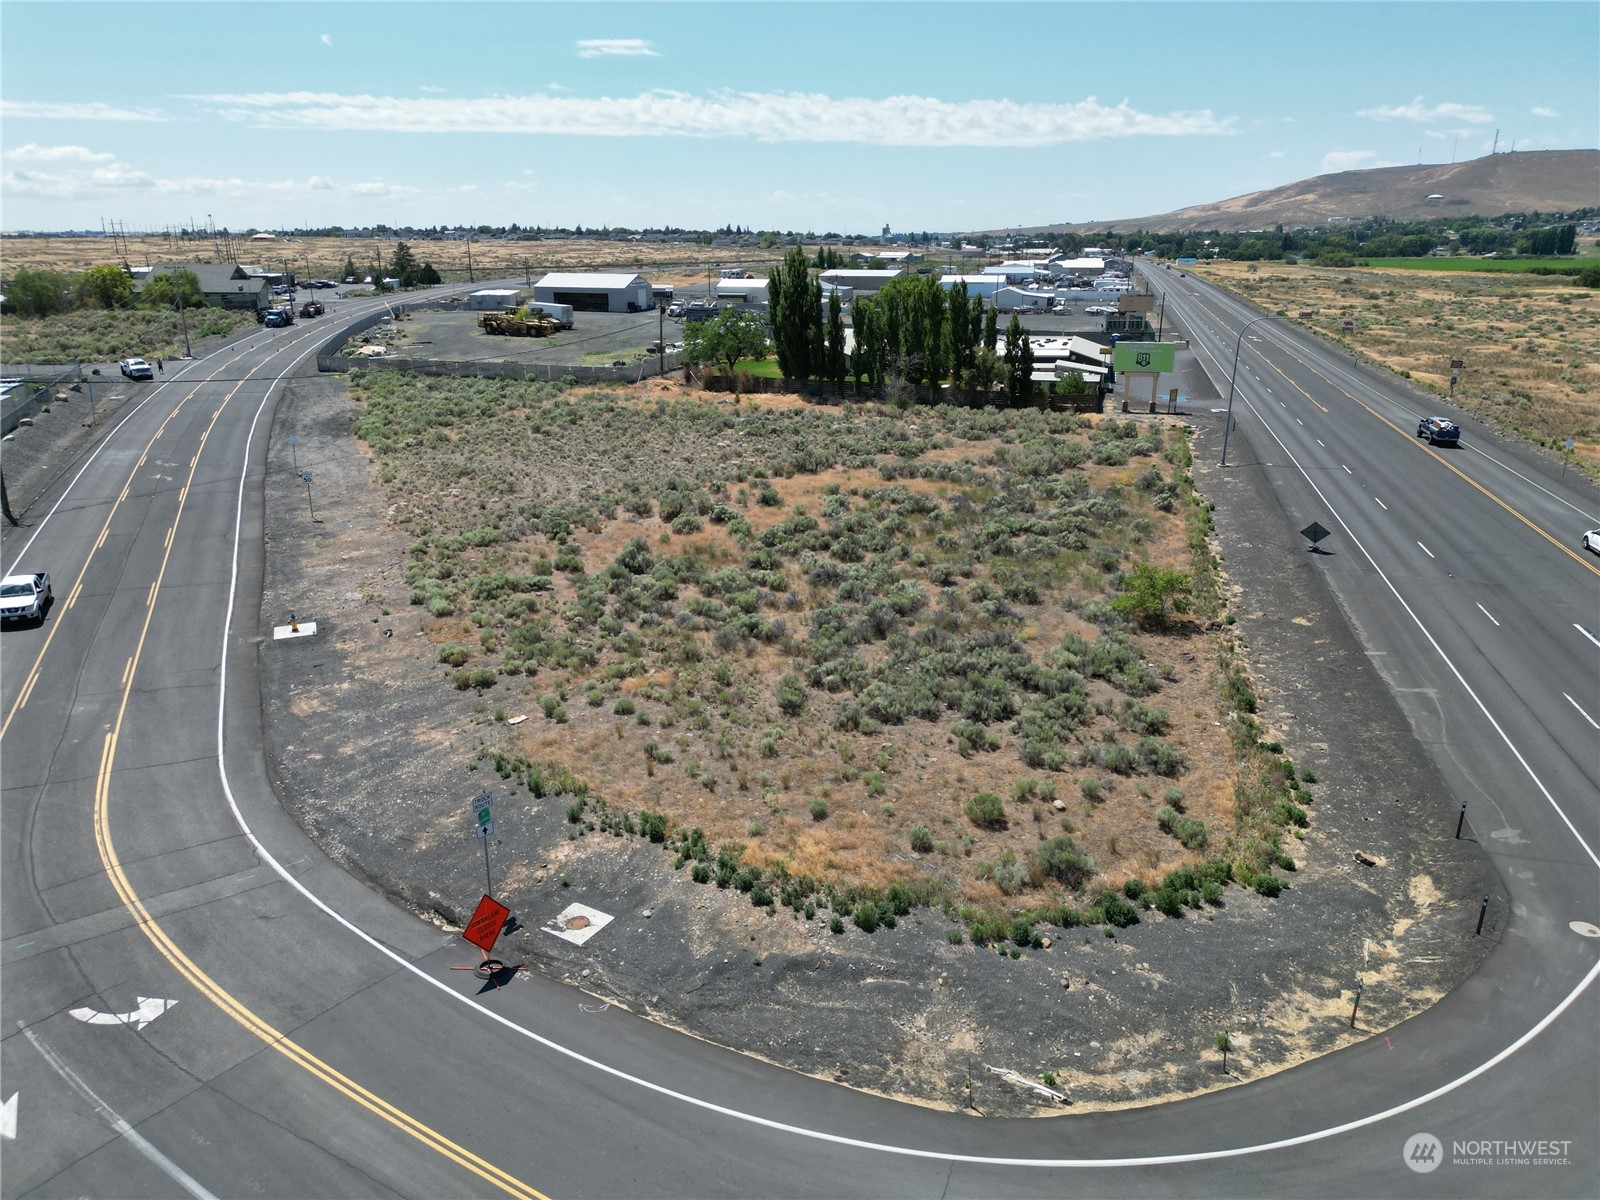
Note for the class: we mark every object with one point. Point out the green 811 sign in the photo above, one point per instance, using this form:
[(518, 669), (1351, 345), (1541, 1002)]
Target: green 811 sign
[(1153, 358)]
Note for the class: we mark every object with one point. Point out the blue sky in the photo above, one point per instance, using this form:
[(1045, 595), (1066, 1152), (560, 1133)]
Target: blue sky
[(805, 116)]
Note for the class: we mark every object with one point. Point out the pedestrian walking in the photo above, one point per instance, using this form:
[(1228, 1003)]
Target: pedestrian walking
[(161, 367)]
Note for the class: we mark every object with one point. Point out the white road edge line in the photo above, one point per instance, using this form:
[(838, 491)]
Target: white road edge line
[(1586, 633), (837, 1139), (1579, 707), (1487, 613), (136, 1139)]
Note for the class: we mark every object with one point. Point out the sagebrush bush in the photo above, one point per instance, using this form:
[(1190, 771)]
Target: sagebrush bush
[(987, 811)]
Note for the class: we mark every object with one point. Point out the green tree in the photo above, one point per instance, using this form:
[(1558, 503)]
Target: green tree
[(350, 273), (105, 286), (1018, 363), (962, 337), (726, 338), (168, 288), (1148, 592), (427, 276), (991, 325), (836, 359), (403, 267), (870, 354), (39, 293), (984, 373), (794, 299), (1072, 384)]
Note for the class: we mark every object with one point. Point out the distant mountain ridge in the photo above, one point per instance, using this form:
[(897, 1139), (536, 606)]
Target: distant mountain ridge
[(1522, 181)]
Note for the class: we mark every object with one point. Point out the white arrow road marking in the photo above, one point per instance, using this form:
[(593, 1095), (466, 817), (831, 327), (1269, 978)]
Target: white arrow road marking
[(149, 1009), (8, 1118)]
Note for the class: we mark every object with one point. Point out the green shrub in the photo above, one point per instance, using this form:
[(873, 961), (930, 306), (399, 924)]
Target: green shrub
[(701, 873), (1133, 889), (867, 917), (454, 655), (987, 811), (1268, 885), (954, 936), (624, 707), (791, 695), (921, 839), (1117, 912), (1060, 859), (819, 809), (1212, 891), (835, 924)]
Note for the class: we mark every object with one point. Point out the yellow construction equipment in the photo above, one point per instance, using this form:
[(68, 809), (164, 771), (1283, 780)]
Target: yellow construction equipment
[(522, 323)]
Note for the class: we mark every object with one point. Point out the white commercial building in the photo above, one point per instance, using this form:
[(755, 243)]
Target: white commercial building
[(863, 281), (595, 291), (494, 299), (977, 285)]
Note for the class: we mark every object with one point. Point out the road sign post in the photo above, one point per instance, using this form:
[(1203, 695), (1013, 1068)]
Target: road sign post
[(482, 808)]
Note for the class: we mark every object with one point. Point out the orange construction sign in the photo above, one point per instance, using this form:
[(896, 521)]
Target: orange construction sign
[(487, 922)]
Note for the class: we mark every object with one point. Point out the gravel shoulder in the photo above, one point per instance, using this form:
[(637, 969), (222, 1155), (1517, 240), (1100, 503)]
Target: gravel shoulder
[(375, 758)]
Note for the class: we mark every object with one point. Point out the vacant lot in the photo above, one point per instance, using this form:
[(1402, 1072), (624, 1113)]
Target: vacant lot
[(680, 585), (1530, 343), (319, 258), (105, 335)]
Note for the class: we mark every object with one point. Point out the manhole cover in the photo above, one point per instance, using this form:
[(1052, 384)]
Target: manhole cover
[(577, 923)]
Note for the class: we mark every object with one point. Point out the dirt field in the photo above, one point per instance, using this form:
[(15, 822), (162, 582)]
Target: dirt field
[(378, 759), (1530, 343), (322, 258)]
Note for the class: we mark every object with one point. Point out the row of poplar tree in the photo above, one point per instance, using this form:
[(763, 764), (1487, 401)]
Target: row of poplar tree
[(913, 331)]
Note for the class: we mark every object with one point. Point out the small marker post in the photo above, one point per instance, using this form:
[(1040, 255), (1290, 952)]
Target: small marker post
[(1461, 820), (1483, 911), (1356, 1005)]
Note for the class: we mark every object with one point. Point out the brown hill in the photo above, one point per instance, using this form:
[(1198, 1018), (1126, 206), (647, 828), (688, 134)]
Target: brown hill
[(1529, 181)]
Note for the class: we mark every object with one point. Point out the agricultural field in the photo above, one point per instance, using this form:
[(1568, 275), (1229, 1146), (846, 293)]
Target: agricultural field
[(849, 656), (1495, 266), (1530, 343)]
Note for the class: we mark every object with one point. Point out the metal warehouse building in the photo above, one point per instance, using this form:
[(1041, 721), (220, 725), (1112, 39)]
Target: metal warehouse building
[(595, 291)]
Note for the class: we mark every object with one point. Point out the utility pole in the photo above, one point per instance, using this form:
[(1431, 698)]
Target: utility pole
[(184, 322), (471, 278)]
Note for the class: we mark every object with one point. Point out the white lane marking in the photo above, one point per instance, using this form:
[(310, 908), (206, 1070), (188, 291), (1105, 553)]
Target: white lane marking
[(8, 1118), (1586, 633), (904, 1151), (1347, 470), (137, 1140), (149, 1009), (1319, 442), (1426, 551), (1298, 421), (1382, 505), (1487, 613), (1579, 707)]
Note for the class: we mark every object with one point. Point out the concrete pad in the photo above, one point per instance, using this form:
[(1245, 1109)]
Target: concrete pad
[(307, 628), (577, 923)]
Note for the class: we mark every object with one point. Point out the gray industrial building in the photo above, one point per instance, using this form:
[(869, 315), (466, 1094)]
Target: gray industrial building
[(595, 291)]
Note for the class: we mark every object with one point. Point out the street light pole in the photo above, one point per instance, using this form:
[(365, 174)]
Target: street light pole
[(1227, 424)]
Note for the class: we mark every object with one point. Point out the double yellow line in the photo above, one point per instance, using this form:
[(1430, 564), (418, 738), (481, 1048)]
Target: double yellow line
[(158, 937)]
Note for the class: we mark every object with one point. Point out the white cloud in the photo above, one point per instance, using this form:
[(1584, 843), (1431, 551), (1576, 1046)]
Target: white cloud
[(44, 110), (1275, 153), (36, 153), (326, 39), (1346, 160), (1428, 114), (762, 116), (432, 91), (320, 183), (1542, 111), (628, 47)]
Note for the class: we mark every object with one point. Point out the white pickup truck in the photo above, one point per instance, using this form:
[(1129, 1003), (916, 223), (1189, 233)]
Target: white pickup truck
[(24, 597)]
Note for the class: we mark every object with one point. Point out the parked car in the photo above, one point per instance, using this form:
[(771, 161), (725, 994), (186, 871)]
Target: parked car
[(1099, 310), (24, 597), (1591, 541), (137, 368)]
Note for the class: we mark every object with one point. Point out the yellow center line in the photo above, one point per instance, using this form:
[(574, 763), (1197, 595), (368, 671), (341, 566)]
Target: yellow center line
[(1428, 450), (77, 587), (207, 986)]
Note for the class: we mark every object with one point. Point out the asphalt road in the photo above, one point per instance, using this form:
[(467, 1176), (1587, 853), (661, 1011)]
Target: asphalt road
[(322, 1043)]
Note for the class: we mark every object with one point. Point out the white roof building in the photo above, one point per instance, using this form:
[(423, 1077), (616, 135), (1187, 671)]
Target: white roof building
[(595, 291), (864, 281)]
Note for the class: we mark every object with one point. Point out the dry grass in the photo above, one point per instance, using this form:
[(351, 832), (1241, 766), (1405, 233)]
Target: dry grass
[(1530, 344), (876, 785), (322, 258)]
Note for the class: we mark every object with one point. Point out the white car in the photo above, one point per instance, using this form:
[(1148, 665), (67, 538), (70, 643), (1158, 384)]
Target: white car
[(1099, 310), (1591, 540), (137, 368), (24, 597)]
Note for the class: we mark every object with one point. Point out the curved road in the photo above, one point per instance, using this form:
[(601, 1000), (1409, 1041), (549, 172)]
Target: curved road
[(196, 1002)]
